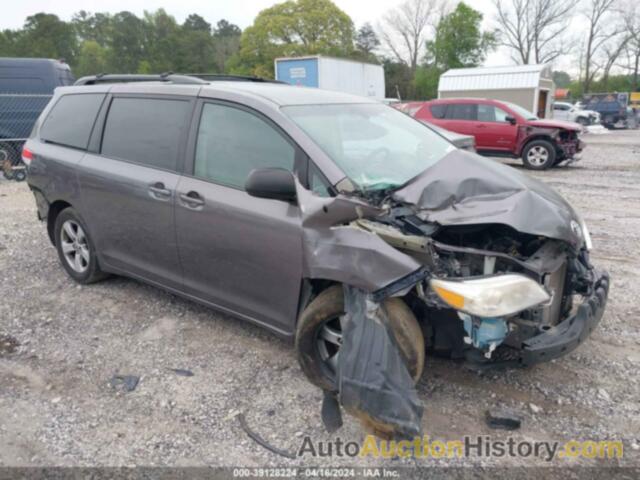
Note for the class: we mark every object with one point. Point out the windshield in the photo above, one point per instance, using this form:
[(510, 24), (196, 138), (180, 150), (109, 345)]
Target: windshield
[(523, 112), (376, 146)]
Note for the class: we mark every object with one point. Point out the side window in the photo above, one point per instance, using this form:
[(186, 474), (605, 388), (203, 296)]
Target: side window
[(71, 119), (232, 142), (486, 113), (461, 111), (145, 130), (438, 110), (501, 115)]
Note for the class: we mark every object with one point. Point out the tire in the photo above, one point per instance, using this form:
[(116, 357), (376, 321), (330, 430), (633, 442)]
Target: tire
[(328, 307), (582, 121), (539, 155), (75, 248)]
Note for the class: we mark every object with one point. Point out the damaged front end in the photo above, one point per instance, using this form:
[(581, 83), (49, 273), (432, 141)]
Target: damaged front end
[(494, 265)]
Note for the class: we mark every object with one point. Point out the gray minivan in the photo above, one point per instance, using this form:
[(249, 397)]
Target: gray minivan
[(263, 200)]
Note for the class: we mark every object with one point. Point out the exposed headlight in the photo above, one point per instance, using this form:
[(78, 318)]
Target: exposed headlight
[(497, 296), (586, 236)]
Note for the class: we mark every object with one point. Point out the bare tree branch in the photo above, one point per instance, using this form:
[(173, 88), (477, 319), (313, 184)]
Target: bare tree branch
[(535, 30), (404, 29)]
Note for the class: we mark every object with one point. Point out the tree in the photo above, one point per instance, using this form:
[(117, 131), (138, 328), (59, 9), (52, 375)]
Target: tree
[(459, 42), (195, 47), (632, 49), (561, 79), (92, 59), (45, 35), (404, 29), (601, 30), (127, 45), (227, 43), (366, 42), (195, 23), (535, 30), (294, 27)]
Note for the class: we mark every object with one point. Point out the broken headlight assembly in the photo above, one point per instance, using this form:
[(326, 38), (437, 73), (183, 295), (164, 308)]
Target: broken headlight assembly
[(489, 297)]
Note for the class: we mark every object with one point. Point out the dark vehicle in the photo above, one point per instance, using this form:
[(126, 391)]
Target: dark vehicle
[(26, 86), (612, 108), (264, 201), (504, 129)]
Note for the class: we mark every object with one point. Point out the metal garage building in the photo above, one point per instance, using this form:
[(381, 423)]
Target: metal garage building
[(530, 86)]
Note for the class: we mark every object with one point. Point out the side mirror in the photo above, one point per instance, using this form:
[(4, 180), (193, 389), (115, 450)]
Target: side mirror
[(511, 119), (273, 183)]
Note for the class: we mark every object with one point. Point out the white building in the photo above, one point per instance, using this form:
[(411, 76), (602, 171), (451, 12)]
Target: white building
[(530, 86)]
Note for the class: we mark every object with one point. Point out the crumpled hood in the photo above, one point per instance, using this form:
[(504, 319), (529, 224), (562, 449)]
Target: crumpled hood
[(555, 124), (466, 189)]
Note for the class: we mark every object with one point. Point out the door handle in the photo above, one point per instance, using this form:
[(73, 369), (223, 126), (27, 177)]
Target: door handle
[(192, 199), (159, 190), (480, 125)]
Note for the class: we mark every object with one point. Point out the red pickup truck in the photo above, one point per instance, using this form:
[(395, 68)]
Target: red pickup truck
[(503, 129)]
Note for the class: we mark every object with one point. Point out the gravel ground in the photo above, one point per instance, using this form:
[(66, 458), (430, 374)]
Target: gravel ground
[(58, 408)]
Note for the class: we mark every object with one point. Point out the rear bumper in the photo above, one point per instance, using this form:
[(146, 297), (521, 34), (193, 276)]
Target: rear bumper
[(571, 332)]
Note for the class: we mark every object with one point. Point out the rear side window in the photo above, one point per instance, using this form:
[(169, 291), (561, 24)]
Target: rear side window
[(439, 110), (232, 142), (71, 120), (145, 130), (461, 111)]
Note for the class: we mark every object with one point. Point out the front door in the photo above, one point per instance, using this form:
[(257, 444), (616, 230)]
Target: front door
[(494, 132), (128, 189), (239, 252)]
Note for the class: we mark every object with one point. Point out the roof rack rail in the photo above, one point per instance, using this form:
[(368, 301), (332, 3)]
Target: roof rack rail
[(169, 77), (223, 77)]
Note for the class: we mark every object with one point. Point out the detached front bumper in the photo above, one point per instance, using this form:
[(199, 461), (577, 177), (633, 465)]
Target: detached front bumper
[(571, 332)]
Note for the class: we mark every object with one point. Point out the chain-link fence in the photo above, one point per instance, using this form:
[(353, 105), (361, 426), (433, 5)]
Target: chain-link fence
[(18, 113)]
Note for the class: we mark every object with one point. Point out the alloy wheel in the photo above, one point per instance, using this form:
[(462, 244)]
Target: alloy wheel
[(328, 343), (75, 247), (538, 156)]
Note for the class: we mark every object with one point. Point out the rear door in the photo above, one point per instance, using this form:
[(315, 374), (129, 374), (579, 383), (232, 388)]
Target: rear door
[(128, 186), (239, 252), (460, 118), (494, 132)]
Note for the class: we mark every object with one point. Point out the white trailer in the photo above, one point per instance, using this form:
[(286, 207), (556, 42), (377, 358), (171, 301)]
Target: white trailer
[(337, 74)]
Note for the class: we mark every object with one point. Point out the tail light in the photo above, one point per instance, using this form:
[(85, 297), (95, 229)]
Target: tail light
[(27, 156)]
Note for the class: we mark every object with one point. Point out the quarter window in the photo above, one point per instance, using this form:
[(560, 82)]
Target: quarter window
[(146, 130), (232, 142), (71, 120)]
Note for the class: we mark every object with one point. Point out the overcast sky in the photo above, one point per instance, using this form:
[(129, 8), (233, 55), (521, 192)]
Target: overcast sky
[(240, 12)]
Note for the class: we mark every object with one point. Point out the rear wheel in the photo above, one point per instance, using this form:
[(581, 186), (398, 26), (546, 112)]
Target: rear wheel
[(75, 248), (319, 337), (539, 155)]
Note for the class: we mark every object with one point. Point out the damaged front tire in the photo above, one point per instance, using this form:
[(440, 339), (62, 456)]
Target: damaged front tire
[(319, 336)]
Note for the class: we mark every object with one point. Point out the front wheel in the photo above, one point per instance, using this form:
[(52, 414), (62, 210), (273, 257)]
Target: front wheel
[(539, 155), (319, 337)]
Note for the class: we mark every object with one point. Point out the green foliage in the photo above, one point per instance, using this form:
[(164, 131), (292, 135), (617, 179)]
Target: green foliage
[(125, 43), (561, 79), (425, 82), (615, 83), (459, 41), (292, 28), (366, 43)]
